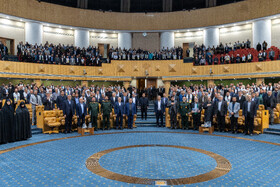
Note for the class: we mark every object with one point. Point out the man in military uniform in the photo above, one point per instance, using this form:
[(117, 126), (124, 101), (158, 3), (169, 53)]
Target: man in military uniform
[(106, 110), (184, 109), (93, 110)]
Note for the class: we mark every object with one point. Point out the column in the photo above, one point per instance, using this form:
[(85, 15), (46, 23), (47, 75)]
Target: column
[(126, 84), (210, 82), (84, 83), (167, 86), (38, 82), (166, 40), (261, 32), (81, 38), (33, 33), (125, 40), (211, 37), (259, 81)]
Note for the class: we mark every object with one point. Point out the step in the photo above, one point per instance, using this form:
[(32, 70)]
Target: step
[(146, 125), (271, 132), (35, 130), (272, 129)]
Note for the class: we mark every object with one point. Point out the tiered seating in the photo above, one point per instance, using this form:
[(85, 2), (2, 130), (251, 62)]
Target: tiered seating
[(254, 53)]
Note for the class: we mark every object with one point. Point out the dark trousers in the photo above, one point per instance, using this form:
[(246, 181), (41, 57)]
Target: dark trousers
[(130, 121), (94, 122), (184, 122), (68, 122), (106, 121), (221, 121), (81, 118), (249, 124), (173, 120), (144, 112), (233, 122), (119, 120), (159, 115), (196, 121)]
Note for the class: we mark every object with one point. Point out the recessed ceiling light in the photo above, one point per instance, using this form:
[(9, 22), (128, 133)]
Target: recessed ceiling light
[(223, 26), (59, 26), (275, 17), (103, 31), (20, 20), (188, 30), (48, 25), (7, 17), (71, 28)]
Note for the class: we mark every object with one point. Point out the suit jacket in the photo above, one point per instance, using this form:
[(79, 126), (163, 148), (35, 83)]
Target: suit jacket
[(174, 107), (235, 110), (119, 108), (257, 101), (133, 108), (223, 108), (241, 101), (67, 108), (209, 111), (200, 99), (60, 100), (143, 102), (113, 102), (125, 99), (161, 106), (79, 109), (49, 104), (199, 106), (34, 101), (270, 102), (165, 101), (253, 109)]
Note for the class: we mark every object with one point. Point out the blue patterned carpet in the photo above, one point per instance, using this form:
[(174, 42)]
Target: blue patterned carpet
[(62, 162)]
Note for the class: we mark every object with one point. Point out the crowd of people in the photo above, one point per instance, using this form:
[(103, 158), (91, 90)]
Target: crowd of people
[(232, 53), (91, 56), (81, 100), (140, 54)]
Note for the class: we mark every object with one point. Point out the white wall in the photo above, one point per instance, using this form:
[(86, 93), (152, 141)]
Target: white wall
[(262, 32), (12, 30), (58, 36), (236, 33), (103, 38), (188, 37), (275, 33), (125, 40)]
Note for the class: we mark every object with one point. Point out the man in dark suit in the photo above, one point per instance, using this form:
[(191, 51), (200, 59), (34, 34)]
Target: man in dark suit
[(81, 112), (270, 104), (130, 111), (124, 98), (60, 100), (114, 99), (240, 99), (68, 108), (249, 111), (221, 112), (135, 101), (48, 102), (196, 109), (144, 103), (159, 109), (173, 110), (119, 111), (164, 100)]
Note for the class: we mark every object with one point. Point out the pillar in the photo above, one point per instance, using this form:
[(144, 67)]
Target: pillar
[(167, 85), (126, 84), (261, 32), (259, 81), (125, 40), (33, 33), (82, 38), (211, 37), (125, 5), (166, 40), (38, 82), (84, 83), (210, 82)]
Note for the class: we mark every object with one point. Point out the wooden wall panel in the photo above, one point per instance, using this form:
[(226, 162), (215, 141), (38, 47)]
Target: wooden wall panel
[(127, 70), (242, 11)]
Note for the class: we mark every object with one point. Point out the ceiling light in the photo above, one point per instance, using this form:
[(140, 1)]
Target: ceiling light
[(59, 26), (7, 17)]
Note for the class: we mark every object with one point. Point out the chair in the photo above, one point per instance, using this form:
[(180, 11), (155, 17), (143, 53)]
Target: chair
[(51, 124)]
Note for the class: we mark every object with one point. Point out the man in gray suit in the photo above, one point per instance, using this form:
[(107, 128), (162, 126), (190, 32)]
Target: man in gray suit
[(271, 54), (233, 109), (35, 100)]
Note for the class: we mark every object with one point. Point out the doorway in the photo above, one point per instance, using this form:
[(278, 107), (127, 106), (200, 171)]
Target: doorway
[(152, 82), (9, 43), (140, 84), (185, 47), (104, 50)]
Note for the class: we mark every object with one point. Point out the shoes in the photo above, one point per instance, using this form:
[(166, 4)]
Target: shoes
[(251, 134)]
